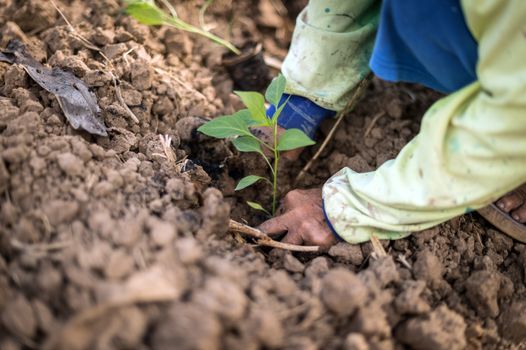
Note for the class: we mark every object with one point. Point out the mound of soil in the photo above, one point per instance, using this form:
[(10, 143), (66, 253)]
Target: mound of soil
[(120, 242)]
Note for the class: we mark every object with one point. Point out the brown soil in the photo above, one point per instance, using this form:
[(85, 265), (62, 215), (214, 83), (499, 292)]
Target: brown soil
[(108, 243)]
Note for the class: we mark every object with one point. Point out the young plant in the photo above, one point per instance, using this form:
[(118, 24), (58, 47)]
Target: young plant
[(147, 12), (237, 128)]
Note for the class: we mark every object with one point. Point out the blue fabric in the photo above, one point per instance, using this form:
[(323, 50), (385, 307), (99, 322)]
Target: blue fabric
[(426, 42), (300, 113), (329, 224)]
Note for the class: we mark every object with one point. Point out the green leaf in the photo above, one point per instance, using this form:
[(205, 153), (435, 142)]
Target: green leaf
[(244, 114), (257, 206), (292, 139), (146, 12), (275, 90), (255, 103), (278, 111), (247, 144), (225, 126), (248, 181)]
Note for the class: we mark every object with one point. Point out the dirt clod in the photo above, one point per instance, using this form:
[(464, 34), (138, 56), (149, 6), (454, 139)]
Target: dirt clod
[(482, 289), (347, 253), (121, 242), (342, 292), (442, 329)]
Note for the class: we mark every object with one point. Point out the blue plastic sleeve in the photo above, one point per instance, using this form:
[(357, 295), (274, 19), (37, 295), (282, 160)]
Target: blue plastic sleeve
[(300, 113)]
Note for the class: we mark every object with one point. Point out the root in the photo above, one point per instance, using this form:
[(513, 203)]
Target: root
[(263, 239), (376, 118)]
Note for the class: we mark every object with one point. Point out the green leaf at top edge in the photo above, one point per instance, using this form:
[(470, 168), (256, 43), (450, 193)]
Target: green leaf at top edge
[(255, 103), (248, 181), (292, 139), (225, 126), (276, 89), (146, 13)]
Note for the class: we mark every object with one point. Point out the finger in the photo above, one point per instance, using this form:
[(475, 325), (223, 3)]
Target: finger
[(292, 155), (277, 225), (519, 214), (293, 199), (510, 201), (293, 237)]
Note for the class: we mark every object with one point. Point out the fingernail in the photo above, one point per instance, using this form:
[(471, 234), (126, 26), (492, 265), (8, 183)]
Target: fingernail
[(516, 217), (500, 205)]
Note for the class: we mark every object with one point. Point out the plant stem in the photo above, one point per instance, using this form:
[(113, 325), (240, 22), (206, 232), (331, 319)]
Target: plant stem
[(275, 172), (178, 23), (269, 165)]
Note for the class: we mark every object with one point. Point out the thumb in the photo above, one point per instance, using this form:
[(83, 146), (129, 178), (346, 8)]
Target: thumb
[(292, 154), (277, 225), (293, 237)]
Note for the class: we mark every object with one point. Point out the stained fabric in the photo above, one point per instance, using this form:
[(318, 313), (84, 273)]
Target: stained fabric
[(471, 148)]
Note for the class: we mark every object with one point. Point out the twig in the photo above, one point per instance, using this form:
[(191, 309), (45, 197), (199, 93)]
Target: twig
[(263, 239), (121, 100), (40, 246), (373, 123), (378, 248), (170, 7), (166, 142), (360, 89), (165, 74), (279, 7), (272, 62), (404, 261), (202, 12)]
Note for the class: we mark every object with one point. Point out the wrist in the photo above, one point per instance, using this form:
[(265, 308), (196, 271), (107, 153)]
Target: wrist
[(300, 113)]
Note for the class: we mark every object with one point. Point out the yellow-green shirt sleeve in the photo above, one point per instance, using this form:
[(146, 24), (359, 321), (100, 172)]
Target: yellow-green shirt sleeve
[(470, 151), (330, 50)]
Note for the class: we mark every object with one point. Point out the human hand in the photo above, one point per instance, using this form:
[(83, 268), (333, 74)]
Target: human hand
[(302, 219)]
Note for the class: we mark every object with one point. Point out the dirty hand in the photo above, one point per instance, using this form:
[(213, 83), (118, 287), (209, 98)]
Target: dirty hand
[(302, 218), (265, 133)]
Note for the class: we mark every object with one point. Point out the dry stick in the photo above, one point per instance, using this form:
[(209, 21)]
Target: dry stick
[(352, 103), (404, 261), (89, 45), (378, 248), (263, 239), (166, 141), (121, 100), (373, 123), (279, 7), (272, 62)]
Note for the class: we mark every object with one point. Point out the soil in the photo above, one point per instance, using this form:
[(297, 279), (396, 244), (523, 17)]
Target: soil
[(120, 242)]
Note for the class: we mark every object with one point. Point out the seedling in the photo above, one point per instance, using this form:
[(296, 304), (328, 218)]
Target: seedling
[(147, 12), (236, 127)]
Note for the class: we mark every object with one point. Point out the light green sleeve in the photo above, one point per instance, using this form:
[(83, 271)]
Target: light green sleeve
[(330, 50), (470, 151)]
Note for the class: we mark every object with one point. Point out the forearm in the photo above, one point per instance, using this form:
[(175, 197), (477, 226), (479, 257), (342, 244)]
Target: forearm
[(470, 151), (459, 162), (330, 50)]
